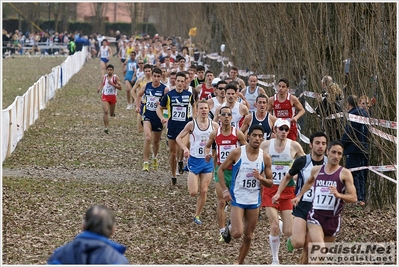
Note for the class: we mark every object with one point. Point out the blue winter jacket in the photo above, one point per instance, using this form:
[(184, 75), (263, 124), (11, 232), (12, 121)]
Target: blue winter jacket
[(89, 248), (355, 136)]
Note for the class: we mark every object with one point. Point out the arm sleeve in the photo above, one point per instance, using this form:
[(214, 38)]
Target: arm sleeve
[(297, 166)]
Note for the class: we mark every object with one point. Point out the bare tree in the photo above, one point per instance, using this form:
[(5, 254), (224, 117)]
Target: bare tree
[(99, 12), (133, 13)]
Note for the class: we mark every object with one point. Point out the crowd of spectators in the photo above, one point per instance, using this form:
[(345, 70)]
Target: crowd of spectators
[(54, 43)]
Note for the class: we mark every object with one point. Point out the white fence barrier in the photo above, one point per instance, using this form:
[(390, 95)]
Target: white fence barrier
[(25, 110)]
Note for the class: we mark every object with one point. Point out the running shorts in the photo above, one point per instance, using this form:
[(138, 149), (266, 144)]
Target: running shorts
[(329, 224), (199, 165), (111, 99), (302, 209), (284, 202), (228, 174)]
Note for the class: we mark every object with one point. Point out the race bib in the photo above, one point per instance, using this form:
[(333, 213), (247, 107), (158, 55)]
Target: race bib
[(109, 90), (224, 152), (151, 103), (323, 199), (179, 113), (308, 196)]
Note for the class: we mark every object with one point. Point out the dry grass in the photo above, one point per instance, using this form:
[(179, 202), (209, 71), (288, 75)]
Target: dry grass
[(21, 72), (65, 163)]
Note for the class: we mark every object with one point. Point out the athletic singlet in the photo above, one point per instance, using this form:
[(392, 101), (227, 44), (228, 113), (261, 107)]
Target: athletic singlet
[(130, 69), (251, 97), (283, 109), (139, 74), (104, 52), (205, 93), (198, 139), (178, 105), (236, 118), (109, 89), (152, 97), (281, 162), (323, 199), (244, 187), (304, 175), (216, 104), (224, 144), (123, 52), (265, 124)]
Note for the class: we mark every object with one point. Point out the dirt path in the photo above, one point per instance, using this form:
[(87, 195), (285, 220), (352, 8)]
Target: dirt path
[(65, 163)]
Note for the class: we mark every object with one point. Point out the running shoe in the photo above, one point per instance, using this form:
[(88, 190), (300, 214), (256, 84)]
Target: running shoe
[(275, 263), (221, 238), (197, 220), (289, 245), (145, 166), (174, 180), (181, 171), (129, 106), (106, 131), (112, 115), (226, 234), (226, 207), (155, 163)]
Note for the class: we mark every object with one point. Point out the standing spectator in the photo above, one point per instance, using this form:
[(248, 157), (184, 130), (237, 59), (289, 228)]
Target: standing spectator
[(81, 42), (16, 42), (364, 103), (97, 44), (71, 45), (93, 245), (44, 40), (355, 143), (329, 104), (117, 38), (100, 38), (93, 49), (6, 42)]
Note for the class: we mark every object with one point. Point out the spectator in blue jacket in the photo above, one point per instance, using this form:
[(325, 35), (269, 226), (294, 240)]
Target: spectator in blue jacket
[(93, 245), (355, 141)]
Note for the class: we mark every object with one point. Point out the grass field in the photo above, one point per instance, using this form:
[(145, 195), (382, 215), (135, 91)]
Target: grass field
[(65, 163), (21, 72)]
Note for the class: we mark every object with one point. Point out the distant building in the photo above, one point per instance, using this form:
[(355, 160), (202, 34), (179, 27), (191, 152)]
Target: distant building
[(114, 12)]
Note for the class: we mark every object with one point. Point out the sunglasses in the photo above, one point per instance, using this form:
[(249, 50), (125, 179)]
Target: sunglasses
[(141, 63), (225, 114), (221, 88), (281, 128)]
